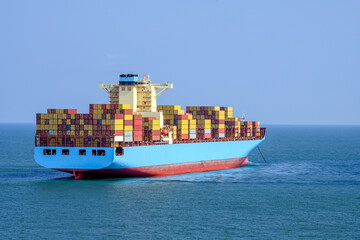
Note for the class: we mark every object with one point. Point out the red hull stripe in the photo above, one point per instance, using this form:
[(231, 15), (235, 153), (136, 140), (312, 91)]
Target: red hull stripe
[(160, 170)]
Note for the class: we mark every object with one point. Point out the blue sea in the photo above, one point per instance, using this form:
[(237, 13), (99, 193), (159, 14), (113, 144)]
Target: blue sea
[(309, 188)]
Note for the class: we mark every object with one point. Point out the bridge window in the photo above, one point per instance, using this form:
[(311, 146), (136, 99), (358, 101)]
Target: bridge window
[(47, 152), (122, 89), (82, 151), (53, 152), (94, 152), (101, 152), (65, 152)]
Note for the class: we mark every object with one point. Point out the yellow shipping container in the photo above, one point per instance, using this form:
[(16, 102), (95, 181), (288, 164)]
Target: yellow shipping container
[(81, 121), (155, 122), (119, 127), (176, 107), (183, 131), (185, 121), (68, 122), (128, 128), (128, 117), (119, 121), (81, 133), (183, 126), (124, 106), (72, 127)]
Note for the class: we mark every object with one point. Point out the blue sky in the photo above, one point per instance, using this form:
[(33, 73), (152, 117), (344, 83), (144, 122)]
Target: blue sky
[(280, 62)]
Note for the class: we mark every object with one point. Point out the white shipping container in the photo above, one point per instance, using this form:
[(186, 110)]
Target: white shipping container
[(128, 139), (128, 133), (191, 131), (192, 136), (119, 138), (221, 135), (207, 130)]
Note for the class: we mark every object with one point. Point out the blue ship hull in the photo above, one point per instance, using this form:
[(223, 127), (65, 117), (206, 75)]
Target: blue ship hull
[(153, 160)]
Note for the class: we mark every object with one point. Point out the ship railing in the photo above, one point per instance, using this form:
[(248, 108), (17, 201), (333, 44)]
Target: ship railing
[(95, 141)]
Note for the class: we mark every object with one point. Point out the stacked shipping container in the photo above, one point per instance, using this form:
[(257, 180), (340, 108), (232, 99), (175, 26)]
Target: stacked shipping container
[(151, 129), (184, 126), (113, 125)]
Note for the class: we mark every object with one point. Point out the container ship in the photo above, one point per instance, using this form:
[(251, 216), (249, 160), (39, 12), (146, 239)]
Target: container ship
[(132, 136)]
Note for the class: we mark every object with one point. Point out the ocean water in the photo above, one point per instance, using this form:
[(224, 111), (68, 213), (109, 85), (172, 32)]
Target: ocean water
[(309, 188)]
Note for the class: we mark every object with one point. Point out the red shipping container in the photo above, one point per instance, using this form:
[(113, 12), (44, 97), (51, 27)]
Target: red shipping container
[(137, 138), (156, 138), (137, 117), (119, 133), (119, 116), (183, 136), (137, 122), (128, 122), (72, 111), (126, 111), (155, 132), (137, 133), (137, 128), (182, 117)]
